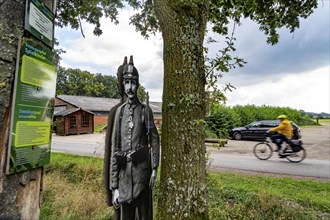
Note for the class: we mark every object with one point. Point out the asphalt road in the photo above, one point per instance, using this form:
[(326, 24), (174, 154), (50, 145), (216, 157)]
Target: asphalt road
[(236, 156), (307, 168), (85, 144)]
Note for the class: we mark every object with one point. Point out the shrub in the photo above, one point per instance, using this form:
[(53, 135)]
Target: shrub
[(224, 118)]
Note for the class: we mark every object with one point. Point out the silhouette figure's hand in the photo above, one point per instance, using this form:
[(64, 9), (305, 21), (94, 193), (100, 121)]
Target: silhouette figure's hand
[(115, 198), (153, 178)]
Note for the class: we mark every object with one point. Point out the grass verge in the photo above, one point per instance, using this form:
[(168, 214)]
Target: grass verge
[(73, 189), (323, 121), (237, 196), (99, 128)]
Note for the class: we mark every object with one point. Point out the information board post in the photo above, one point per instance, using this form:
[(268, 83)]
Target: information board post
[(39, 21), (22, 156), (33, 105)]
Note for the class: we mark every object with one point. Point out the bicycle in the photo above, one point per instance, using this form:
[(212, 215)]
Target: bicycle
[(293, 150)]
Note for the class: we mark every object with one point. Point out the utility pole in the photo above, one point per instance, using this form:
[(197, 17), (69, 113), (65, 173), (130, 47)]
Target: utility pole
[(21, 192)]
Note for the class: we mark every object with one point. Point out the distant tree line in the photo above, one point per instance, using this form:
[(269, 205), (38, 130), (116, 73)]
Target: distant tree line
[(83, 83), (223, 118), (321, 115)]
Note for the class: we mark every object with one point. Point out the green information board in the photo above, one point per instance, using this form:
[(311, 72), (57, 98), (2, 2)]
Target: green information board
[(39, 21), (33, 108)]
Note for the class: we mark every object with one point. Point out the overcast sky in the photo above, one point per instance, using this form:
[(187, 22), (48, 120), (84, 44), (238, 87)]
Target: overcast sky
[(294, 73)]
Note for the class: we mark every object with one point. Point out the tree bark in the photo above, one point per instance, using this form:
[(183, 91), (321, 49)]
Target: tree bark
[(20, 194), (183, 175)]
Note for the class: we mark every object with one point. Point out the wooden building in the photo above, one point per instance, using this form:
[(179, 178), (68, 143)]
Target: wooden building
[(157, 112), (99, 106), (73, 121)]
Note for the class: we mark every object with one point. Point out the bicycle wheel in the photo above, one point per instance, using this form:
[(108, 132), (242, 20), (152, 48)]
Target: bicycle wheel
[(296, 157), (263, 151)]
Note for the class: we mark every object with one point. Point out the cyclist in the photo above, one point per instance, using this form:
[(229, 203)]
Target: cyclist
[(284, 132)]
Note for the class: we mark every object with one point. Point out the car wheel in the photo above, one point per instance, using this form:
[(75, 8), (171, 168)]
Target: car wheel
[(237, 136)]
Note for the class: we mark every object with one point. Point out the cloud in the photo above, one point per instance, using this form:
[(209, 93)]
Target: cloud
[(296, 53), (307, 91)]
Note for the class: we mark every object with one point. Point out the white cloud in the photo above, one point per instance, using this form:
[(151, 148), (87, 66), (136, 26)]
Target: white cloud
[(308, 91)]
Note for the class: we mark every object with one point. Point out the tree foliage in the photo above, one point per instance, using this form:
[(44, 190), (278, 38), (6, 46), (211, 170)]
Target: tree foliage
[(270, 15), (73, 11)]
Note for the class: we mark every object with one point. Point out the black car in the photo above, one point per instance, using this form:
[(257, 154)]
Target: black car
[(257, 130)]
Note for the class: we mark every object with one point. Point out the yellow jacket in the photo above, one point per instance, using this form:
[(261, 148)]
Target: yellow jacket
[(284, 128)]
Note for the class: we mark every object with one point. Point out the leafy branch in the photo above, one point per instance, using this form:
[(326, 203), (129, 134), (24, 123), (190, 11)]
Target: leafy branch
[(222, 63)]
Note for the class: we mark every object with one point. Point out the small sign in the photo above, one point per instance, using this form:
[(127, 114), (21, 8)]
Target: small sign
[(39, 21), (33, 107)]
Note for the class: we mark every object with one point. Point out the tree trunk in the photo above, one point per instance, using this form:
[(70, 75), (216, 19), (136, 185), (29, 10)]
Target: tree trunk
[(183, 175), (20, 193)]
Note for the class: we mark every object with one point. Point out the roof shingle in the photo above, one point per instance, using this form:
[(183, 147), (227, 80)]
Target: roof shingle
[(99, 104)]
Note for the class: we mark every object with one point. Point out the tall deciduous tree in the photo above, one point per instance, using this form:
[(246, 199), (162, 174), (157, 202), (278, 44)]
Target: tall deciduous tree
[(183, 26), (183, 176)]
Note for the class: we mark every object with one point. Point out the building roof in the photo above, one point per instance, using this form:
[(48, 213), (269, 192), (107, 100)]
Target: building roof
[(156, 106), (99, 104), (70, 111)]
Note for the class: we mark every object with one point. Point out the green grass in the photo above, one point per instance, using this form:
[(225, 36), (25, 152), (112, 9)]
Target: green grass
[(99, 128), (278, 198), (323, 121), (73, 189)]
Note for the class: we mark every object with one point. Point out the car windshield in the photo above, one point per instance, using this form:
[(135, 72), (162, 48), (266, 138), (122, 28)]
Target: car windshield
[(294, 125), (253, 125)]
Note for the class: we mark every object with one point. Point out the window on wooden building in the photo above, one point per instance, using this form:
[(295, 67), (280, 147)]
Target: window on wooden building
[(85, 121), (73, 121)]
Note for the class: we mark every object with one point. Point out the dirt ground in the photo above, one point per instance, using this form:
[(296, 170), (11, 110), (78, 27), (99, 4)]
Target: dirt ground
[(316, 141)]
